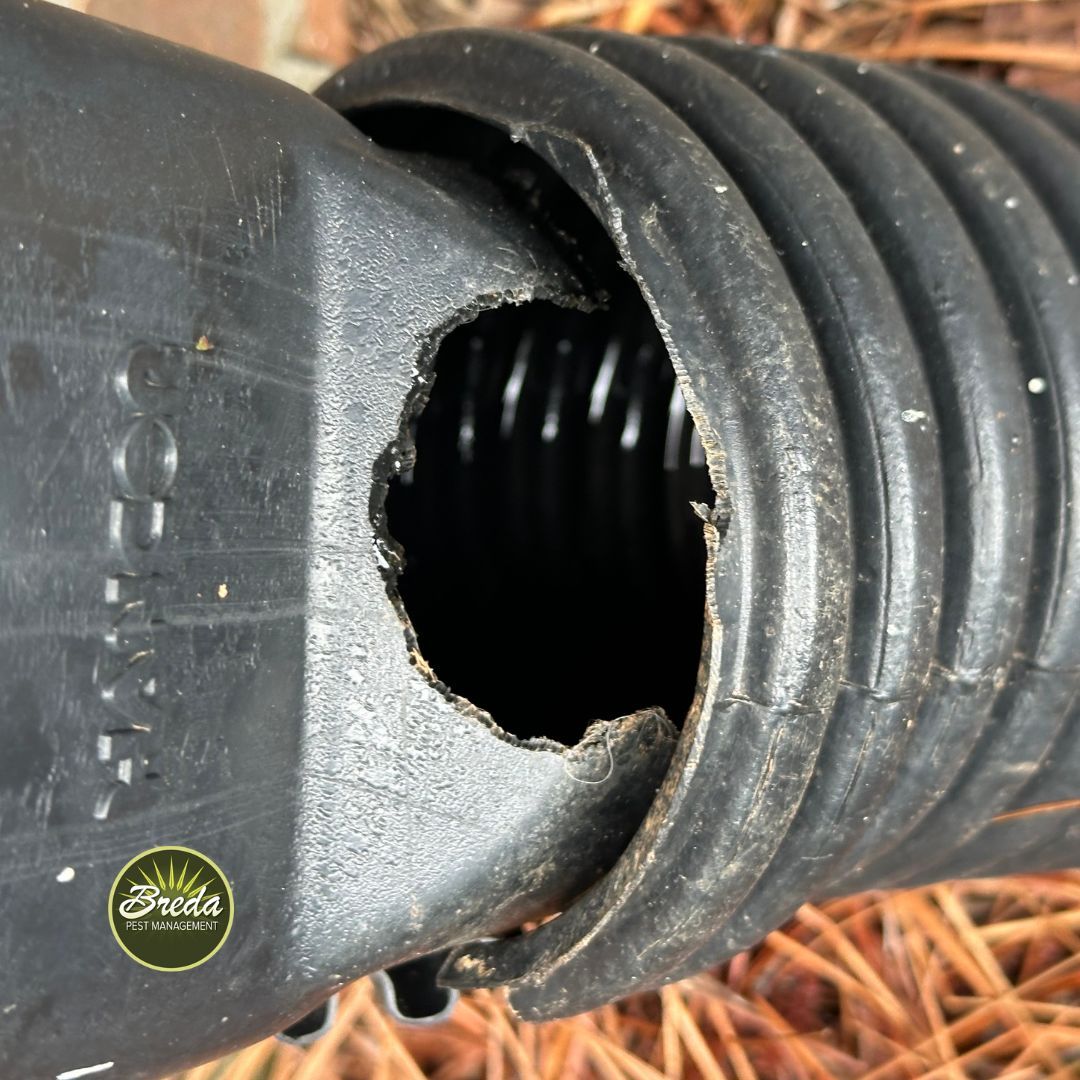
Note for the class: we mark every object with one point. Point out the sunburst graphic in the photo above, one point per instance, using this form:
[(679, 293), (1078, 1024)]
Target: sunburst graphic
[(171, 885)]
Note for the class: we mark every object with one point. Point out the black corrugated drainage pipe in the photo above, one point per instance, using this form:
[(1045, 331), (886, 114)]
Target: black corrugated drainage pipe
[(867, 282), (624, 480)]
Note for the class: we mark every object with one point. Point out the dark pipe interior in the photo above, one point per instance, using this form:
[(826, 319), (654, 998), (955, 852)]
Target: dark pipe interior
[(554, 569), (417, 994)]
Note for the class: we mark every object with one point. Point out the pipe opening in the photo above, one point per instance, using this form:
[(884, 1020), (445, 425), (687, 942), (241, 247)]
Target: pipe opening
[(554, 569)]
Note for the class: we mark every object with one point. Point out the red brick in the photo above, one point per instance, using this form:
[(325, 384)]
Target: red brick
[(324, 32), (233, 29)]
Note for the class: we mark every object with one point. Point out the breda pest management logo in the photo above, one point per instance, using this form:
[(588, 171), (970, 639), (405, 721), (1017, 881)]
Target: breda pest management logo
[(170, 908)]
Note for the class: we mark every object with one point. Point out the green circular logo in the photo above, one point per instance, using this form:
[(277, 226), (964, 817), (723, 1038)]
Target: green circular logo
[(170, 908)]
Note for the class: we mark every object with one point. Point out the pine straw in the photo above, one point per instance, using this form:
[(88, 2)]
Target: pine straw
[(1032, 43), (959, 982)]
